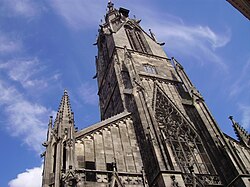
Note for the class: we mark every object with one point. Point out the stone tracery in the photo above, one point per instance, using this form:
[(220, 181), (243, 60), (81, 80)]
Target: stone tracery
[(186, 145)]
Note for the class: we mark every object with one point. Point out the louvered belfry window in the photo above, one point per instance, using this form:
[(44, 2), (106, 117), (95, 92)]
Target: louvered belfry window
[(136, 39)]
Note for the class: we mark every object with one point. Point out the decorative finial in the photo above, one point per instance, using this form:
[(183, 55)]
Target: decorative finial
[(65, 92), (50, 120), (110, 6), (152, 35), (231, 118)]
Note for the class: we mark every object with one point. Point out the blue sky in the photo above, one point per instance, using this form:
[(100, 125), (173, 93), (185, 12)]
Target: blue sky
[(47, 46)]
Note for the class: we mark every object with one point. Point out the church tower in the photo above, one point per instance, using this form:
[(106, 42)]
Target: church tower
[(156, 129)]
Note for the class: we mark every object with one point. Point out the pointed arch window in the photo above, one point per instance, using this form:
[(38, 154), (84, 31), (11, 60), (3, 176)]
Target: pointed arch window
[(136, 39), (181, 139)]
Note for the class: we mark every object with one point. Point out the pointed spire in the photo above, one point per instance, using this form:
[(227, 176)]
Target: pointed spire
[(241, 133), (64, 114)]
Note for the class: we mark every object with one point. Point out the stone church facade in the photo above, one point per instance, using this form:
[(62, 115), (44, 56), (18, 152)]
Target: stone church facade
[(155, 129)]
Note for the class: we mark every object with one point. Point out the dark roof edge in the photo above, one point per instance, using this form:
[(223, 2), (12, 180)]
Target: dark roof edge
[(101, 124)]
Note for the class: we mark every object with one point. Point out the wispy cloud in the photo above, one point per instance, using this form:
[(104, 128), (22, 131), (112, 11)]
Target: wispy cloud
[(9, 44), (29, 72), (198, 41), (88, 93), (26, 120), (78, 14), (29, 178), (24, 8)]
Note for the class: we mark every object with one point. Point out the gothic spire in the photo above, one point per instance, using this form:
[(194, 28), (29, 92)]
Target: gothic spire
[(64, 115), (241, 133)]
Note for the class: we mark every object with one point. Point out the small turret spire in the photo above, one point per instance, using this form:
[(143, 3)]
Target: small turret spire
[(241, 133), (177, 64), (50, 128), (50, 122)]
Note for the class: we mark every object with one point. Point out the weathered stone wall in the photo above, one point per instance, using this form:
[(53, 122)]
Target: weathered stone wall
[(110, 142)]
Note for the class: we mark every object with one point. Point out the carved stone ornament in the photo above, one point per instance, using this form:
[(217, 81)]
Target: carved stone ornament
[(70, 178), (174, 182), (186, 145), (70, 142)]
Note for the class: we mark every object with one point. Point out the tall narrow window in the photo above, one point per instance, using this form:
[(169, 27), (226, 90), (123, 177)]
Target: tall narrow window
[(90, 175), (109, 167), (64, 156), (137, 39), (141, 41), (54, 158), (133, 40)]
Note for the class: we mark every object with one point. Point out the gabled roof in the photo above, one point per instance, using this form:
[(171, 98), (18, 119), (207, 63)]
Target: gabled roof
[(101, 124)]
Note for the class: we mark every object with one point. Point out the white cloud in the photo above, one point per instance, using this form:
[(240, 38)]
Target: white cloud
[(78, 14), (26, 120), (25, 71), (24, 8), (88, 93), (197, 41), (9, 44), (29, 178)]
